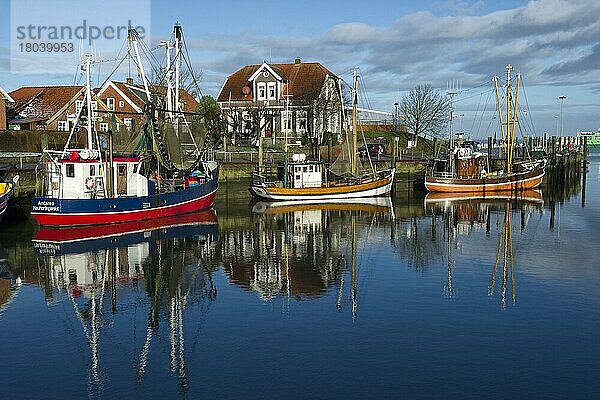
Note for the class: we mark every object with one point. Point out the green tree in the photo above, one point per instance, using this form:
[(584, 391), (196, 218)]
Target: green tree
[(210, 112)]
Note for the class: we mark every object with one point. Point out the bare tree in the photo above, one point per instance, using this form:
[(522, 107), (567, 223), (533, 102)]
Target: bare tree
[(425, 111)]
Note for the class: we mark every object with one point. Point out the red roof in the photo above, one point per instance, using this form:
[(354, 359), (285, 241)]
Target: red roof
[(305, 81), (41, 102), (136, 93)]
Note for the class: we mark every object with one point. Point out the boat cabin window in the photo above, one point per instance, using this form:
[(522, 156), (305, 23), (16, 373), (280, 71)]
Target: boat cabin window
[(70, 170), (305, 169), (122, 170), (92, 170)]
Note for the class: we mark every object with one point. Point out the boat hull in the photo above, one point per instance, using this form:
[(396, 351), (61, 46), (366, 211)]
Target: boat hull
[(70, 212), (6, 192), (379, 187), (510, 182)]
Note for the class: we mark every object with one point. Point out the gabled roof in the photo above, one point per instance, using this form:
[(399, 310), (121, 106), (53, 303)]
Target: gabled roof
[(42, 102), (304, 81), (5, 95), (135, 95)]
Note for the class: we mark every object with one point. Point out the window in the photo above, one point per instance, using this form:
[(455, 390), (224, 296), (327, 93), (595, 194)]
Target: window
[(262, 91), (128, 123), (92, 170), (79, 105), (95, 109), (122, 170), (63, 126), (121, 104), (70, 170), (301, 121), (103, 126), (110, 103), (272, 90), (286, 120)]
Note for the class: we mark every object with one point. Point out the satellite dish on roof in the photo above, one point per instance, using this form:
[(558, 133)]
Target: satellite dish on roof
[(246, 90)]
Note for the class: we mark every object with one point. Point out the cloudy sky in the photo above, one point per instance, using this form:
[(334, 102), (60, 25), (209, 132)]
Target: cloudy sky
[(396, 44)]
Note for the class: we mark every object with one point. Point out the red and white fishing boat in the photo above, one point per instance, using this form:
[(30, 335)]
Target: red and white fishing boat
[(467, 170), (90, 185)]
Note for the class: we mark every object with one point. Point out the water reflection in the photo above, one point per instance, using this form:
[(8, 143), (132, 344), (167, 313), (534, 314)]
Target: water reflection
[(300, 249), (9, 283), (161, 269), (464, 213)]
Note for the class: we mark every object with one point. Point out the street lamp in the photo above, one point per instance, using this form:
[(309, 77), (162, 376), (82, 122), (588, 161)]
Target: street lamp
[(562, 100), (556, 124), (396, 117)]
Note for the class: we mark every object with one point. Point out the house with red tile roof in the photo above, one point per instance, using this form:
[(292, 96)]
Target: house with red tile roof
[(127, 100), (4, 99), (302, 98), (54, 108)]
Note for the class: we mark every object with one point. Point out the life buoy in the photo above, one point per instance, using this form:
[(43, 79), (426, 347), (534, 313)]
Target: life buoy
[(89, 183)]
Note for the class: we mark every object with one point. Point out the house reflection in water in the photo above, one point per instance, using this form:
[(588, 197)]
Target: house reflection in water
[(295, 249)]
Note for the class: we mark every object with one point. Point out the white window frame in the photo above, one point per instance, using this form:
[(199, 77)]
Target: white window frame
[(261, 91), (121, 104), (128, 123), (301, 116), (63, 126), (286, 121), (272, 91), (103, 127), (110, 103)]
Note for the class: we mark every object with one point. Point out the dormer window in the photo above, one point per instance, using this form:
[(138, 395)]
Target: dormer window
[(262, 91), (272, 91)]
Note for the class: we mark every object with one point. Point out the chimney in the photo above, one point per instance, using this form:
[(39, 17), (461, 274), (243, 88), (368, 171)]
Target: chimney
[(129, 81), (297, 61)]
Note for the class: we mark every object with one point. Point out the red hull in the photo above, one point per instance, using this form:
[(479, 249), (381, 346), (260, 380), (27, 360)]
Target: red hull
[(61, 235), (124, 216)]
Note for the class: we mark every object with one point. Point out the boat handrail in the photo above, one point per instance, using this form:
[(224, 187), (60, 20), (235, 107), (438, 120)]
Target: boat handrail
[(443, 174)]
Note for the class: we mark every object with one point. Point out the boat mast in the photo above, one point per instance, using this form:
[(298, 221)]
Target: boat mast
[(88, 95), (168, 46), (353, 151), (178, 33), (133, 35), (452, 93)]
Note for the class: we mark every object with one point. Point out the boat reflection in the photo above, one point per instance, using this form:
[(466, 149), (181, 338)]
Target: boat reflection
[(299, 249), (466, 212), (9, 283), (160, 268)]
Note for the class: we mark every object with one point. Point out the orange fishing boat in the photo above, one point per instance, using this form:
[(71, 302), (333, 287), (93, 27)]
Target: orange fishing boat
[(467, 170)]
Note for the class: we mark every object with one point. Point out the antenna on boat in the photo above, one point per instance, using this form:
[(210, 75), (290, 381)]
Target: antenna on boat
[(453, 88)]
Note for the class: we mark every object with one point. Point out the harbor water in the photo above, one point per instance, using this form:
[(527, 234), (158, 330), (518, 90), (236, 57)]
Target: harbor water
[(420, 297)]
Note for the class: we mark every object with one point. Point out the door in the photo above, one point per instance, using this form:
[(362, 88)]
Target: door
[(121, 179)]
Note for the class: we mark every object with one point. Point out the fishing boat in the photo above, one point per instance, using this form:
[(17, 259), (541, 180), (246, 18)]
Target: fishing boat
[(6, 192), (467, 170), (303, 179), (94, 185)]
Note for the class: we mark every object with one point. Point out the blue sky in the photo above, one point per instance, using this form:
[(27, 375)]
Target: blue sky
[(555, 44)]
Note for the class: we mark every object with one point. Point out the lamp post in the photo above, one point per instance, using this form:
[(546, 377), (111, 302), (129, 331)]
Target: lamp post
[(396, 117), (556, 124), (562, 100)]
